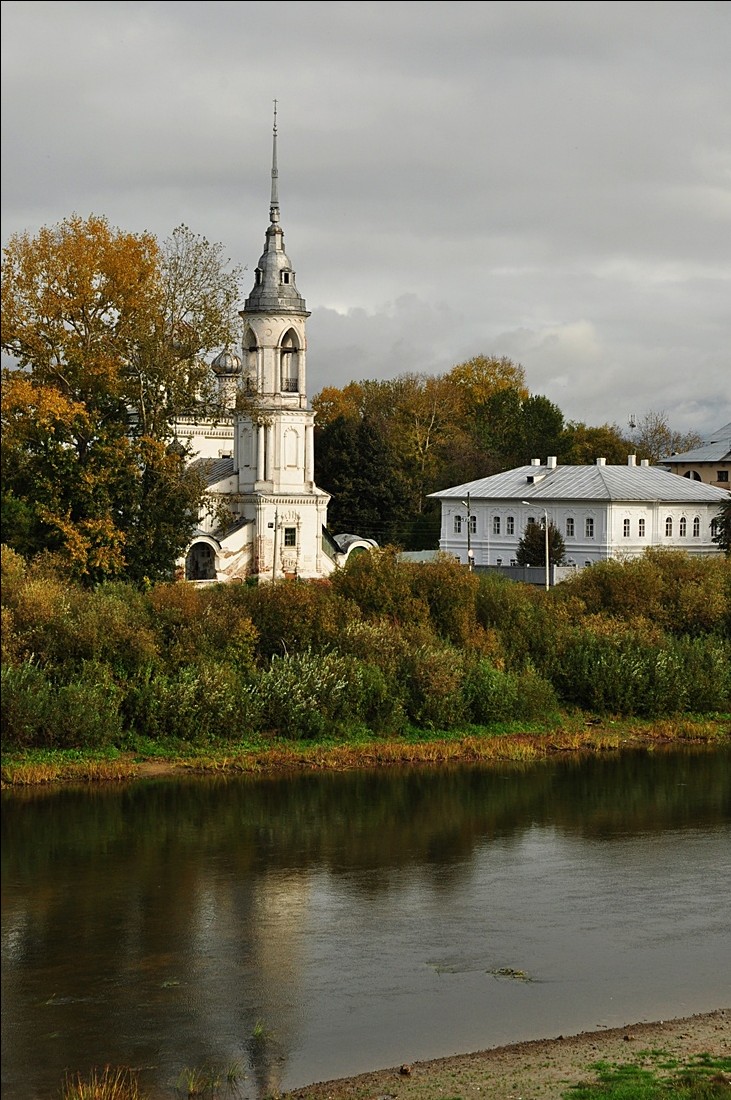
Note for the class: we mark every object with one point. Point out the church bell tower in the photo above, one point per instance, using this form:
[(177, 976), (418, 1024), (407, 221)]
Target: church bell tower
[(274, 432)]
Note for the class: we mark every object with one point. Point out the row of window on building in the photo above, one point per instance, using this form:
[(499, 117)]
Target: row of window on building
[(588, 527)]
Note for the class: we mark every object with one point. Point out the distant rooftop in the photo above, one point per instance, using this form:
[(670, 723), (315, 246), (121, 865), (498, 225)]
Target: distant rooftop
[(714, 449)]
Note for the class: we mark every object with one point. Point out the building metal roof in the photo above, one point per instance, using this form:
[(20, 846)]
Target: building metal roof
[(213, 469), (588, 483), (716, 448)]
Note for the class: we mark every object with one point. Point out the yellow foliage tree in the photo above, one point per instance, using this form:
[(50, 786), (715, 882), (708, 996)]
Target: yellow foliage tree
[(108, 330)]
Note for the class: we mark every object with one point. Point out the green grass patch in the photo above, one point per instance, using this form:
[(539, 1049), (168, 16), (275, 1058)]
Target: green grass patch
[(701, 1078)]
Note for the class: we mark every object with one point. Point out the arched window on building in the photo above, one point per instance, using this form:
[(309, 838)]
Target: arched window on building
[(458, 525), (289, 361), (697, 527), (683, 527), (669, 527)]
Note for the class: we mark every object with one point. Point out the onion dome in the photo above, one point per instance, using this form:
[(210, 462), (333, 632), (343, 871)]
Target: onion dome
[(226, 363)]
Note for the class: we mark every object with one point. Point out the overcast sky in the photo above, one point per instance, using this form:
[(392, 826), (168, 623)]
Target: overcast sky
[(546, 181)]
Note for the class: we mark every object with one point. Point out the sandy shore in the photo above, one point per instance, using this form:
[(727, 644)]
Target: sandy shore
[(542, 1069)]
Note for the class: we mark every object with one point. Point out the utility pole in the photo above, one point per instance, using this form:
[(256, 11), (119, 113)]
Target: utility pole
[(276, 544), (545, 524)]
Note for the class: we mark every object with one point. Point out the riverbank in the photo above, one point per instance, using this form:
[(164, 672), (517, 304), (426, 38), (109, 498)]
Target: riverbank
[(573, 734), (542, 1069)]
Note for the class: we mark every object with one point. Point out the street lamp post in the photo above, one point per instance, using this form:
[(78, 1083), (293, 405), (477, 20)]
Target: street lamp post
[(470, 552), (545, 527)]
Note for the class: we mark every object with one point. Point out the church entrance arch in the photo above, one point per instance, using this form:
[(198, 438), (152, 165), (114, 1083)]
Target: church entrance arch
[(200, 562)]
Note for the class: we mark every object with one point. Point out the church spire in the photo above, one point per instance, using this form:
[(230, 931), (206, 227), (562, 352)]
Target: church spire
[(274, 289), (274, 204)]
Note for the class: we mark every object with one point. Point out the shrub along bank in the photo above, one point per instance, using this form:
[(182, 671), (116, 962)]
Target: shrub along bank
[(382, 648)]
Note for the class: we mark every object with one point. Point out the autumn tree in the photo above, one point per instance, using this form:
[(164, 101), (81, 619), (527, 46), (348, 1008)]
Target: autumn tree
[(430, 430), (653, 438), (109, 331), (532, 546), (582, 445), (479, 378)]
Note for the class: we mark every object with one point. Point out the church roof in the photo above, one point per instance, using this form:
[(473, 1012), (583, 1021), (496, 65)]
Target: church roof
[(597, 483), (213, 469)]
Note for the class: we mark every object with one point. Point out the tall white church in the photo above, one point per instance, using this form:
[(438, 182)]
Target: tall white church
[(258, 455)]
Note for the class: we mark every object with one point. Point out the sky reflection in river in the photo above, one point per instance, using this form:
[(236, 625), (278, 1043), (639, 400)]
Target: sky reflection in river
[(312, 926)]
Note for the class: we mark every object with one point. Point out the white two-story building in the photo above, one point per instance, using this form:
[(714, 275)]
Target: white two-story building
[(601, 511)]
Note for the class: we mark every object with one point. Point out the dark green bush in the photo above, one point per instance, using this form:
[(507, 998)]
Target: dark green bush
[(199, 703), (84, 712), (626, 674), (380, 586), (307, 695), (496, 696), (433, 679), (26, 698)]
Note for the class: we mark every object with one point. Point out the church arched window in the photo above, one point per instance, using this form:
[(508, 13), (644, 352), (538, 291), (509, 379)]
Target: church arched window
[(289, 361), (251, 360)]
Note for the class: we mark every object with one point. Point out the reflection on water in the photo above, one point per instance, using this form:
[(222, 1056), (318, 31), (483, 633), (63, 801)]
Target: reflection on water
[(302, 927)]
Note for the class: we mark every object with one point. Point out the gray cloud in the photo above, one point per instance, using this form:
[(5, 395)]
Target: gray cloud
[(548, 181)]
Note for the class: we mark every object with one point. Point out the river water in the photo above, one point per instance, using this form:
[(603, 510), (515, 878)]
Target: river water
[(296, 928)]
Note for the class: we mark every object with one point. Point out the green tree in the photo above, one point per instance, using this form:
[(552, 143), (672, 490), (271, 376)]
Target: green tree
[(532, 546), (355, 463), (541, 429), (722, 528), (109, 331)]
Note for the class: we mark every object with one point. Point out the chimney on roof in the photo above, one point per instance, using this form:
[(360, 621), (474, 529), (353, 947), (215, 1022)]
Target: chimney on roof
[(535, 462), (601, 462), (631, 460), (551, 462), (644, 462)]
